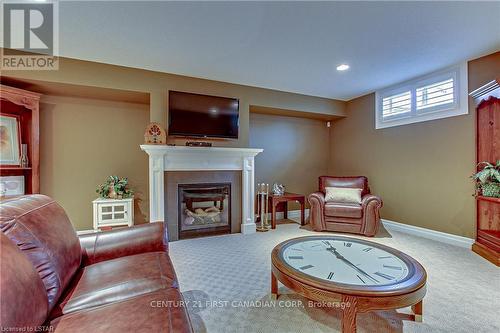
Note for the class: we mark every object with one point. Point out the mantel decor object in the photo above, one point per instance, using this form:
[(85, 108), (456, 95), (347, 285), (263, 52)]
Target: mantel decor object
[(155, 135)]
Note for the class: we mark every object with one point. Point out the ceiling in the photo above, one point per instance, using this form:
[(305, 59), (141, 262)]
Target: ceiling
[(289, 46)]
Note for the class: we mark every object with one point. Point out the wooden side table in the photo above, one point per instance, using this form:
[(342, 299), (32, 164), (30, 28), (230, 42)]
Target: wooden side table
[(274, 200)]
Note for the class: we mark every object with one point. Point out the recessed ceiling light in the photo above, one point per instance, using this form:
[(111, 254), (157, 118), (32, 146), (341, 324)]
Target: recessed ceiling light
[(342, 67)]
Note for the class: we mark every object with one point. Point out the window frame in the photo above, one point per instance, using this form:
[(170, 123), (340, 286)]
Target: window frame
[(457, 107)]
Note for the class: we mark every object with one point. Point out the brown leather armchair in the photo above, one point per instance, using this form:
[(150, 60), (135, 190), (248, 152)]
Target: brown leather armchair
[(361, 218)]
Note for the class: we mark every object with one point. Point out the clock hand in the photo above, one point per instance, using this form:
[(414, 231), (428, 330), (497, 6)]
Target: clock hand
[(341, 257), (334, 251)]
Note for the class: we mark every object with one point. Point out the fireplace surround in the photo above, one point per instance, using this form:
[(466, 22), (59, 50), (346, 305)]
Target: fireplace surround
[(164, 159)]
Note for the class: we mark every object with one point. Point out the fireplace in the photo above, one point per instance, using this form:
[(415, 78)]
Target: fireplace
[(173, 165), (204, 209), (216, 193)]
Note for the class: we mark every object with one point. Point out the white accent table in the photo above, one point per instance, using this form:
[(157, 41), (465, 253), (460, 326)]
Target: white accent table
[(180, 158), (113, 212)]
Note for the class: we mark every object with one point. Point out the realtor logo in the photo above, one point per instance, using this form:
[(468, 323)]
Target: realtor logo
[(29, 27)]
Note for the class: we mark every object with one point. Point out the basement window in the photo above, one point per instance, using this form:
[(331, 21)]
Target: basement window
[(434, 96)]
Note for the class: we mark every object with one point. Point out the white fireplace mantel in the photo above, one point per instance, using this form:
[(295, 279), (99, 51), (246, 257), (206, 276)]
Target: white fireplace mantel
[(179, 158)]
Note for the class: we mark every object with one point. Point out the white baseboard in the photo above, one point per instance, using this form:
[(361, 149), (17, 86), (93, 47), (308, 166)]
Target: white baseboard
[(430, 234)]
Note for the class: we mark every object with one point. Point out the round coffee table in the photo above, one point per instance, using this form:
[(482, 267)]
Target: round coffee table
[(363, 275)]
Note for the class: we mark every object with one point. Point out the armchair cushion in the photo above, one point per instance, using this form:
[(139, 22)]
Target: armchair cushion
[(335, 209)]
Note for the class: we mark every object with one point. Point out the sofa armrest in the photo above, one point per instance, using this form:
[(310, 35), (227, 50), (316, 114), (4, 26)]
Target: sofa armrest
[(317, 211), (101, 246), (371, 205)]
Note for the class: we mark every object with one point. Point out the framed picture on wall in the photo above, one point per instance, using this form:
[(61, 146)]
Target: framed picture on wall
[(11, 185), (10, 140)]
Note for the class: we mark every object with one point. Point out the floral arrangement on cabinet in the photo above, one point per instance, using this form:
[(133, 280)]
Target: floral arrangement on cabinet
[(115, 188), (488, 179)]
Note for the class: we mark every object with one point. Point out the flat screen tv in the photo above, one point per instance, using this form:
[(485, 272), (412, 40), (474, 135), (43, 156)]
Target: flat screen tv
[(195, 115)]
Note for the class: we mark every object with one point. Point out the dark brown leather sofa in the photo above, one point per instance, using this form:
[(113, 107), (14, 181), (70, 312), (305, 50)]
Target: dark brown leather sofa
[(52, 280), (345, 217)]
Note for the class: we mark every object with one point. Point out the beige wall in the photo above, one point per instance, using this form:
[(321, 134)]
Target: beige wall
[(296, 151), (82, 142), (421, 170)]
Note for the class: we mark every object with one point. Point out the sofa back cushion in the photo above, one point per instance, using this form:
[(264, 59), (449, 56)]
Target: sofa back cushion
[(41, 229), (24, 301), (348, 182)]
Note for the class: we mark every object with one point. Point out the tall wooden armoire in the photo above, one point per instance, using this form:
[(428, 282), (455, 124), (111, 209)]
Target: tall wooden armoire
[(487, 100)]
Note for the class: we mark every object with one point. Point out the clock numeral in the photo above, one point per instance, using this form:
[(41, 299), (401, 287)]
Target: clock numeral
[(295, 257), (327, 243), (330, 276), (347, 244), (393, 267), (359, 277), (306, 267), (368, 249), (385, 276), (385, 257)]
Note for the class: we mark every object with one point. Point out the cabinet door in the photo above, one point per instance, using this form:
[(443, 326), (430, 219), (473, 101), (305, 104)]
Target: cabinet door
[(113, 213), (488, 125)]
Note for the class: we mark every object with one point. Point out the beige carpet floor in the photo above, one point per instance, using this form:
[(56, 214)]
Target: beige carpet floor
[(218, 274)]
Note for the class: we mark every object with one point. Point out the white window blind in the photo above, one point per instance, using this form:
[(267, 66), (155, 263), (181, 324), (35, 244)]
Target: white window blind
[(431, 97), (435, 94), (396, 105)]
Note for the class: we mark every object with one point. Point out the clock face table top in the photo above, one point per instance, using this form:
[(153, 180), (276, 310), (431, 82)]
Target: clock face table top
[(366, 275)]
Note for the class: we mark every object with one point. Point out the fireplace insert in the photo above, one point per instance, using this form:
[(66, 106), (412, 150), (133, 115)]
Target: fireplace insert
[(204, 209)]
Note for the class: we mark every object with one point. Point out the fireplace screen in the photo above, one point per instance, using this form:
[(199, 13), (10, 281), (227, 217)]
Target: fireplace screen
[(204, 208)]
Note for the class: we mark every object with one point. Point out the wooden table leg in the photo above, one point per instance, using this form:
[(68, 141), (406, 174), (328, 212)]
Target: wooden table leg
[(302, 213), (349, 314), (418, 311), (274, 286), (273, 215), (285, 211)]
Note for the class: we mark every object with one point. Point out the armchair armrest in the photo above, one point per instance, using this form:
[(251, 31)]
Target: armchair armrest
[(317, 211), (371, 205), (101, 246), (371, 199)]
